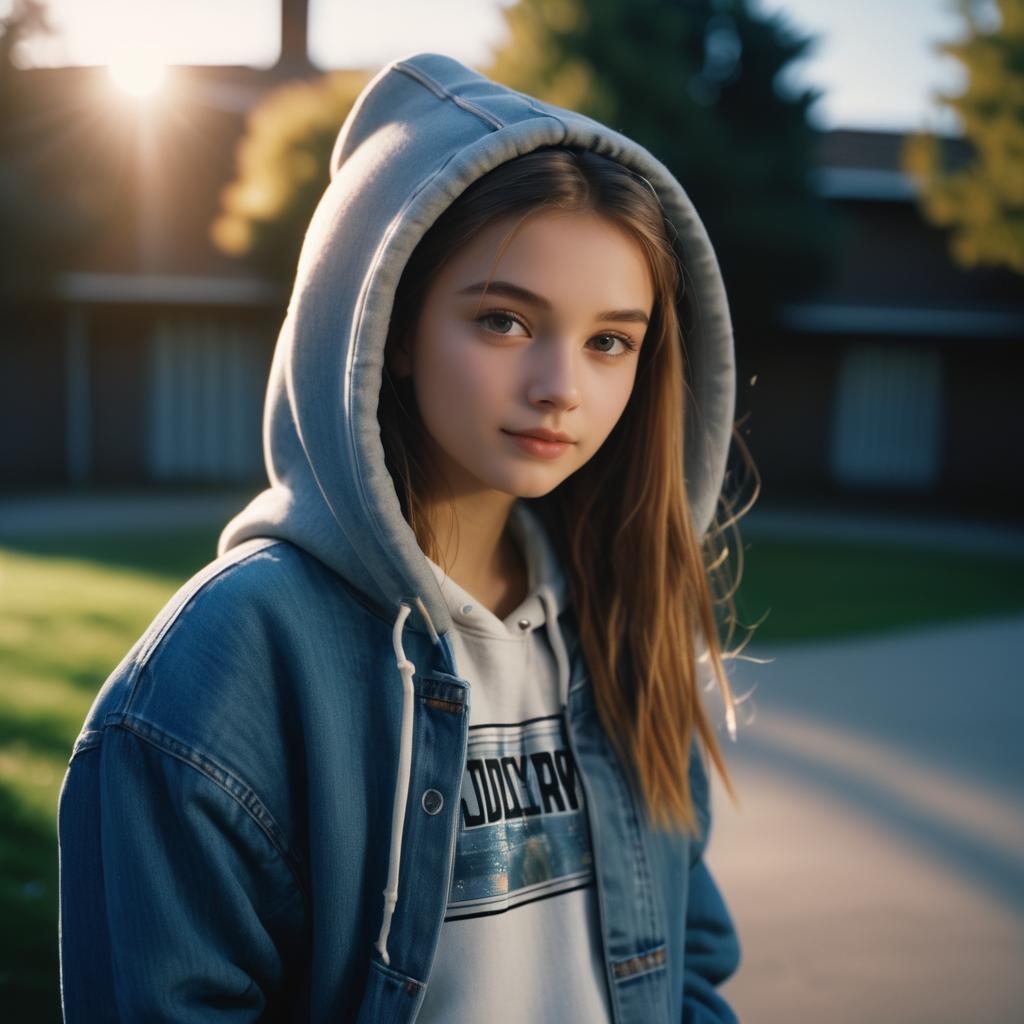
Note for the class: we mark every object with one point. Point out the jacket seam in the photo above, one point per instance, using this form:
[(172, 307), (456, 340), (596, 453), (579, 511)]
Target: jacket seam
[(641, 853), (87, 739), (390, 972), (451, 706), (639, 964), (442, 93), (202, 578), (244, 795)]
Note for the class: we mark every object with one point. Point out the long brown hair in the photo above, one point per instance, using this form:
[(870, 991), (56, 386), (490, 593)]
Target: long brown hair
[(644, 586)]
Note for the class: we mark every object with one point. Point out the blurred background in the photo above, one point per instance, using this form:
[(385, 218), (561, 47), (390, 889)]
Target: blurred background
[(860, 170)]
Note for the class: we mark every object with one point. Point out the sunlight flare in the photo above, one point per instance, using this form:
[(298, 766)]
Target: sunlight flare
[(138, 75)]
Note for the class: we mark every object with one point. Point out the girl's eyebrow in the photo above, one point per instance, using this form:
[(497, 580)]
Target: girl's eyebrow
[(516, 291)]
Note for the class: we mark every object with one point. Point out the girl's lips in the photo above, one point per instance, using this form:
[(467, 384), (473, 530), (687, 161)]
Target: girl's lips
[(537, 446)]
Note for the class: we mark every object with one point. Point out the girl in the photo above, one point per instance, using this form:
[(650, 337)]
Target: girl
[(426, 740)]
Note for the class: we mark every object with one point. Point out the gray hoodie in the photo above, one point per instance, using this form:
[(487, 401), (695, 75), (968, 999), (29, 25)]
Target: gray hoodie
[(421, 131)]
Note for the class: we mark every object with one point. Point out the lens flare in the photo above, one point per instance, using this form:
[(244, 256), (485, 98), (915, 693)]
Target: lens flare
[(138, 76)]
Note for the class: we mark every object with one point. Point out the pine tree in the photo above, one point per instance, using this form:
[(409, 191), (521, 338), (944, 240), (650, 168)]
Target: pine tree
[(982, 203), (697, 82)]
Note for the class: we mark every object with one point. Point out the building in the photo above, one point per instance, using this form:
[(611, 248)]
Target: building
[(900, 379), (147, 361)]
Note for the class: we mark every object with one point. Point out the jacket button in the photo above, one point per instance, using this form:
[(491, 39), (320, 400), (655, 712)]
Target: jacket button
[(432, 801)]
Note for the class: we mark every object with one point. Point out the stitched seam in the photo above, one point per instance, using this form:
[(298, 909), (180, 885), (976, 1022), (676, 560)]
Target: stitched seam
[(454, 707), (640, 964), (242, 794), (86, 741), (531, 105), (641, 872), (403, 979), (442, 93), (443, 689)]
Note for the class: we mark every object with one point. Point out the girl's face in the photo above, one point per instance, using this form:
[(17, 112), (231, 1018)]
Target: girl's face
[(553, 344)]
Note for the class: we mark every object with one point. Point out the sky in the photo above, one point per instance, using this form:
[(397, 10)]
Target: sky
[(875, 59)]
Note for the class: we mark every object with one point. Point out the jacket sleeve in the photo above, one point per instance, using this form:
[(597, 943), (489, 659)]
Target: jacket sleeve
[(712, 944), (175, 905)]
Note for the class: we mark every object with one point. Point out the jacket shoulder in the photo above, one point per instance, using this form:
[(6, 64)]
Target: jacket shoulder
[(221, 637)]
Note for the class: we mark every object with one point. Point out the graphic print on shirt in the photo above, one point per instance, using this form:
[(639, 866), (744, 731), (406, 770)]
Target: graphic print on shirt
[(522, 821)]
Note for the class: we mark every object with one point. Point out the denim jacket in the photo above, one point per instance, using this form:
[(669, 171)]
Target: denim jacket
[(233, 784), (259, 816)]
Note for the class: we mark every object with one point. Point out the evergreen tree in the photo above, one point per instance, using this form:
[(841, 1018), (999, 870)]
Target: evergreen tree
[(697, 82), (983, 202)]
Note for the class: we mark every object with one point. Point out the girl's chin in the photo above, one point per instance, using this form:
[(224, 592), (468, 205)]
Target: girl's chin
[(542, 480)]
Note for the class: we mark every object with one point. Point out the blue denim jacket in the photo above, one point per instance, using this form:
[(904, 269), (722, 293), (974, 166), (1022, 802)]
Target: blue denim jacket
[(226, 817), (259, 817)]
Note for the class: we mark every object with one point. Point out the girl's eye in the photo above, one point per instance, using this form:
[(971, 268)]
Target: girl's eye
[(629, 345), (499, 317)]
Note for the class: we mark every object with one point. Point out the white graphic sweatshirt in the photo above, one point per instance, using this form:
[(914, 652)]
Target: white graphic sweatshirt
[(521, 936)]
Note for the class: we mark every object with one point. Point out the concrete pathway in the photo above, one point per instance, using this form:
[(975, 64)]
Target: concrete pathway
[(875, 869)]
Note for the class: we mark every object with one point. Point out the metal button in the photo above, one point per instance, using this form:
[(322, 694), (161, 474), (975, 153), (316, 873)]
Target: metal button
[(432, 801), (524, 623), (466, 609)]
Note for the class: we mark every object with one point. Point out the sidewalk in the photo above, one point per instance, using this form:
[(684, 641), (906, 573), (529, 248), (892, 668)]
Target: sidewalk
[(875, 870)]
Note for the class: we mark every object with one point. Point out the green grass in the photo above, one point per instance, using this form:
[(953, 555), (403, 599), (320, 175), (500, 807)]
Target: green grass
[(814, 589), (71, 607), (69, 610)]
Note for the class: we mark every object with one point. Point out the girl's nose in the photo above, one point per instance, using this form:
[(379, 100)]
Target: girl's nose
[(554, 376)]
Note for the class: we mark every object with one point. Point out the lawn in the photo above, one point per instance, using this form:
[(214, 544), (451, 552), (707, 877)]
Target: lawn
[(71, 607), (69, 610), (811, 589)]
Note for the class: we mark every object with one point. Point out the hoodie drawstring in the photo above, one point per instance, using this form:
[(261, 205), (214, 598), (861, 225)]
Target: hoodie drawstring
[(547, 595), (406, 668)]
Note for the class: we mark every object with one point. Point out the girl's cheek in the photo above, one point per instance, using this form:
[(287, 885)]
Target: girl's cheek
[(479, 375)]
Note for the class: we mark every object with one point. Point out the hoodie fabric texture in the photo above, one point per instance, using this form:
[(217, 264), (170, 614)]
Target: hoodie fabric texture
[(326, 784)]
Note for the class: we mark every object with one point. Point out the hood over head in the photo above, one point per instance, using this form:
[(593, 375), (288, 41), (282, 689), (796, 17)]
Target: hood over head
[(422, 130)]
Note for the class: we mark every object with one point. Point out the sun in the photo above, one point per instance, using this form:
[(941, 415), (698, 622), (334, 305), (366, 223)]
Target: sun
[(140, 76)]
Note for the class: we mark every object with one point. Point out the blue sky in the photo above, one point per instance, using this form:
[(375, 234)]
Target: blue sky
[(875, 58)]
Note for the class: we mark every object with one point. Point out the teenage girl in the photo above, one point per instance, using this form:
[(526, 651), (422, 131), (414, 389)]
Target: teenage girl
[(427, 740)]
